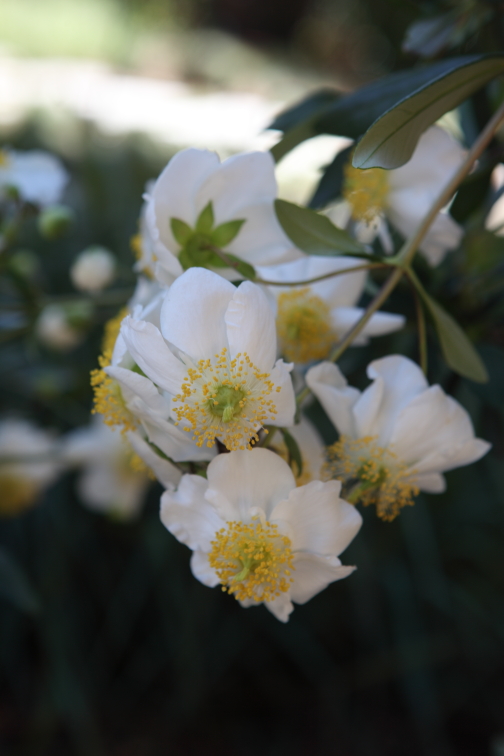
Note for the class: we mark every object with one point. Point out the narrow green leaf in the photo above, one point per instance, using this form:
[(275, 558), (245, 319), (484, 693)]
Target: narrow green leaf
[(314, 233), (293, 450), (205, 221), (304, 110), (14, 585), (457, 350), (181, 231), (391, 140), (292, 138), (224, 234)]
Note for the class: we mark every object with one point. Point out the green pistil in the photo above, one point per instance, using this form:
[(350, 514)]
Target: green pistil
[(226, 402)]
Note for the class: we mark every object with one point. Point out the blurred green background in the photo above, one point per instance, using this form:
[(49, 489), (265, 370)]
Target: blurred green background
[(124, 652)]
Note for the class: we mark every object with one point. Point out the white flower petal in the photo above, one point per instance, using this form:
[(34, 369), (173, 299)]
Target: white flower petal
[(251, 326), (285, 400), (313, 573), (174, 193), (431, 482), (167, 474), (152, 355), (175, 443), (188, 516), (192, 315), (317, 520), (201, 569), (134, 385), (241, 480), (281, 607), (335, 395), (344, 318), (397, 380)]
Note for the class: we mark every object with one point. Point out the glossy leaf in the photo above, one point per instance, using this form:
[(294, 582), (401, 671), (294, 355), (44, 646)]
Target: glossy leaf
[(304, 110), (457, 350), (331, 184), (391, 140), (314, 233)]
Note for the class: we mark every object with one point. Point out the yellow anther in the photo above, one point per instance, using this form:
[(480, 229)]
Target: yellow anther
[(304, 326), (366, 191)]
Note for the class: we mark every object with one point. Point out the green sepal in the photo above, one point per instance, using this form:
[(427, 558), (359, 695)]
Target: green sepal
[(206, 220), (224, 234), (181, 231)]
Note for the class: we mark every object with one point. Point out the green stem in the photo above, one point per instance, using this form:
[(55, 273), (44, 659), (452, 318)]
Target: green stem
[(422, 331)]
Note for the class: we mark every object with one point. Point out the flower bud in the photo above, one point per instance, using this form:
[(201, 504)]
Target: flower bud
[(93, 270), (54, 329), (54, 221)]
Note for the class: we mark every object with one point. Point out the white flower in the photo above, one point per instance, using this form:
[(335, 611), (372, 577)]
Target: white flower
[(397, 437), (148, 249), (54, 330), (33, 465), (215, 355), (198, 202), (312, 319), (114, 480), (252, 530), (93, 270), (405, 194), (38, 176), (130, 400)]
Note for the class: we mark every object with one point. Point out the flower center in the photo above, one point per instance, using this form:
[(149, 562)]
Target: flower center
[(252, 561), (108, 398), (17, 493), (370, 474), (227, 399), (366, 191), (304, 326)]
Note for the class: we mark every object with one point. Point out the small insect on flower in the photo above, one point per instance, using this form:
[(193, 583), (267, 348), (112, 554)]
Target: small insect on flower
[(255, 533)]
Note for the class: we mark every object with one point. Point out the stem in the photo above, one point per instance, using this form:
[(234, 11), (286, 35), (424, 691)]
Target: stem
[(403, 259), (354, 269), (422, 331)]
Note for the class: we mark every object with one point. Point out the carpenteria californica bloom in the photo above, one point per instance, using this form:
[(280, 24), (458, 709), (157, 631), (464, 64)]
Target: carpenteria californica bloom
[(404, 195), (311, 319), (257, 534), (28, 463), (397, 437), (113, 478), (38, 176), (215, 355), (128, 399), (199, 203)]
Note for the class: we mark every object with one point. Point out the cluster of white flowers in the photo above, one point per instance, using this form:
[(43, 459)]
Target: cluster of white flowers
[(193, 374), (192, 387)]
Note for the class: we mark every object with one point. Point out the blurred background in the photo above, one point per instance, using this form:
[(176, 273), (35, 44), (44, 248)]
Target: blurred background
[(108, 645)]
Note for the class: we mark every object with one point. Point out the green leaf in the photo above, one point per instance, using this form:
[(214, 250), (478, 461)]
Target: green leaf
[(391, 140), (312, 105), (292, 138), (205, 221), (457, 350), (226, 232), (331, 184), (14, 585), (293, 450), (314, 233), (181, 231)]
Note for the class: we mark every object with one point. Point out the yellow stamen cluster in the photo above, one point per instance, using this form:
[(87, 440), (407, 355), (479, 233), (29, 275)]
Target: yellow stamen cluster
[(227, 399), (304, 326), (108, 399), (370, 474), (366, 191), (252, 560), (18, 493)]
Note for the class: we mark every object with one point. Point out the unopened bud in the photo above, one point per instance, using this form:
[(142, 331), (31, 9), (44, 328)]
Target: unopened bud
[(93, 270), (54, 329), (55, 220)]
